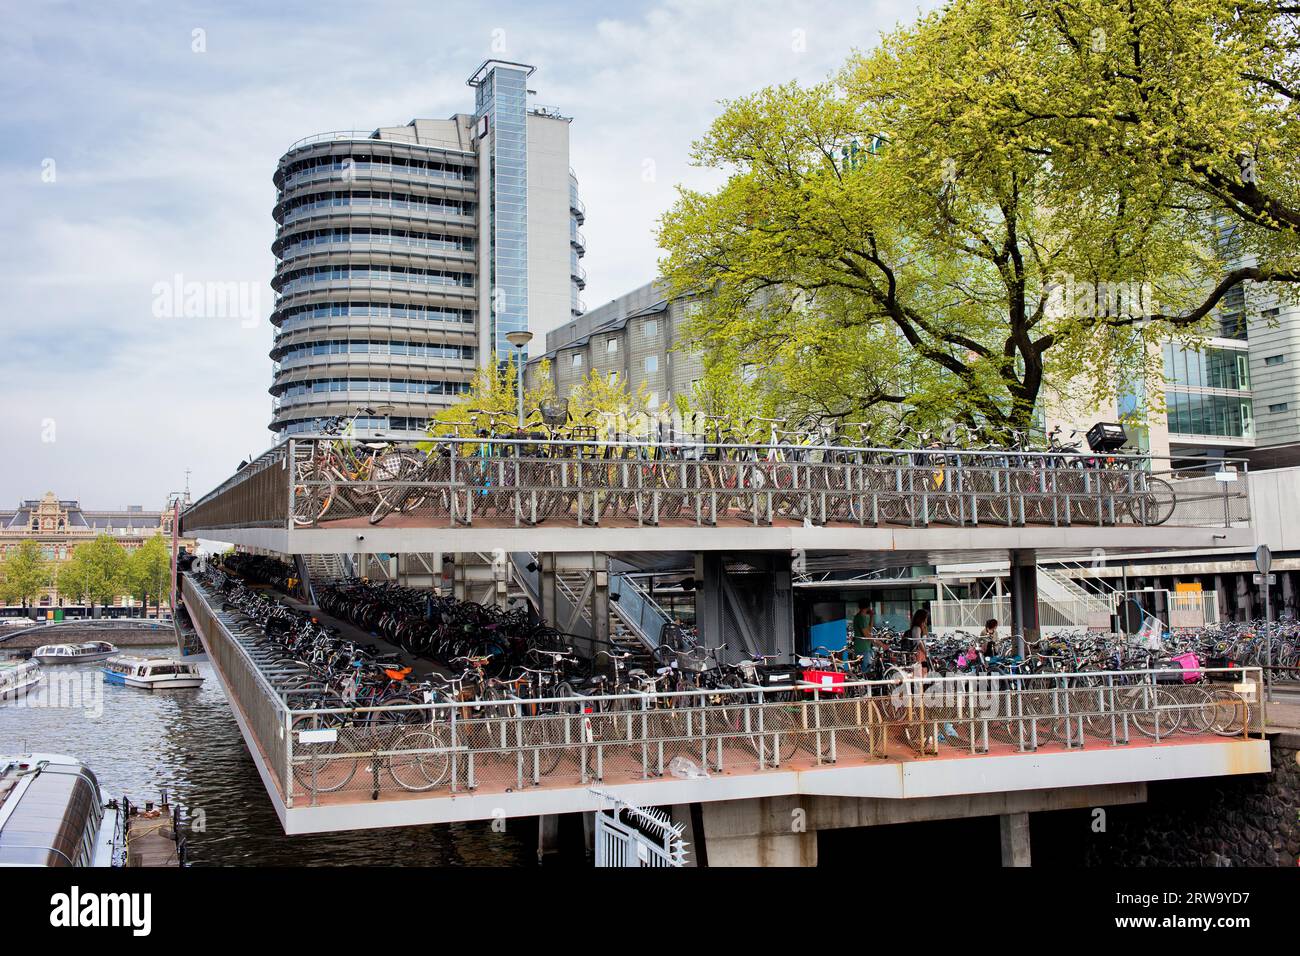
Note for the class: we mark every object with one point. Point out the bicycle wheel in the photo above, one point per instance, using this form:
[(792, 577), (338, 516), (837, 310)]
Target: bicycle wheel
[(1231, 713), (423, 759), (312, 496), (1198, 712), (1159, 712), (1155, 505), (318, 770), (545, 736)]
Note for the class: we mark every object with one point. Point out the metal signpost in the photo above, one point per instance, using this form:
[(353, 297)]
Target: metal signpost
[(1264, 561)]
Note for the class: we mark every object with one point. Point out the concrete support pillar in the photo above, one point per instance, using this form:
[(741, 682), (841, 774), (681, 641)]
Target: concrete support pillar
[(750, 613), (600, 601), (772, 831), (782, 604), (547, 589), (1015, 839), (499, 569), (458, 577), (447, 581), (708, 596), (1024, 597), (589, 833), (548, 837)]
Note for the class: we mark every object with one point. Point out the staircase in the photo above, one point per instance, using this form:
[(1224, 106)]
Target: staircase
[(327, 567), (1057, 589), (634, 617), (635, 608), (1062, 602)]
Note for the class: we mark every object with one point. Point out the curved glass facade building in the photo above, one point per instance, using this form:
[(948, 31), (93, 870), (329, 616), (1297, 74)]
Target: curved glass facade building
[(405, 255)]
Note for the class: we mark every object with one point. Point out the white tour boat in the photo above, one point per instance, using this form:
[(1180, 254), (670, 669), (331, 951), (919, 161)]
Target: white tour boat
[(74, 653), (51, 813), (17, 678), (153, 673)]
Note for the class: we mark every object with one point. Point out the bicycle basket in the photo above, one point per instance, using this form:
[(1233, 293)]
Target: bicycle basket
[(828, 682), (694, 660), (555, 413), (775, 676)]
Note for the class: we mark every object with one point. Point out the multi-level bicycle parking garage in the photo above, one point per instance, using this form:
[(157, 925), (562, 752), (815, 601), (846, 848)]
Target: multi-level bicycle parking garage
[(1014, 744)]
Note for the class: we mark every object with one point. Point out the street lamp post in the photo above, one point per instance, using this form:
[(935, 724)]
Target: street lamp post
[(519, 340)]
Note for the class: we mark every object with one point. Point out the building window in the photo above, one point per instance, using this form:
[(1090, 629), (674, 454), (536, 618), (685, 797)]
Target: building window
[(650, 329), (652, 363), (577, 360), (653, 402), (1194, 413), (613, 378), (611, 345), (1274, 359), (1279, 407), (1209, 368)]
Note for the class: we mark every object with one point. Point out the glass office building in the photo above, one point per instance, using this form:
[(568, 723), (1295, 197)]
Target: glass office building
[(406, 254)]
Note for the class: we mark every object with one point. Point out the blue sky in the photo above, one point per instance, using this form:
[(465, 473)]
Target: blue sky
[(127, 158)]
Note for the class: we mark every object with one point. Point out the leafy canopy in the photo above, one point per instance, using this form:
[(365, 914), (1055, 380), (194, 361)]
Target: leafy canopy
[(970, 218), (24, 574)]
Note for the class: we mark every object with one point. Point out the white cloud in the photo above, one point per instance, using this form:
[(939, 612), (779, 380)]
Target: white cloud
[(164, 160)]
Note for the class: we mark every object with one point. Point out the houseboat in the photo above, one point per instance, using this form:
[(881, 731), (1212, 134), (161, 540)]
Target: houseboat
[(74, 653), (152, 673), (17, 678), (51, 813)]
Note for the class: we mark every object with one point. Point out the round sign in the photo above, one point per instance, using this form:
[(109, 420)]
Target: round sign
[(1263, 559)]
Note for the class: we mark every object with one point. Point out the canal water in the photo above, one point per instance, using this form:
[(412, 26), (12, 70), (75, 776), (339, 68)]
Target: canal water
[(187, 742)]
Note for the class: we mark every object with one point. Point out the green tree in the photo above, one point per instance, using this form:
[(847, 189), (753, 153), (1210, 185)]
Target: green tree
[(609, 404), (24, 574), (959, 272), (493, 397), (1195, 99), (148, 571), (96, 572)]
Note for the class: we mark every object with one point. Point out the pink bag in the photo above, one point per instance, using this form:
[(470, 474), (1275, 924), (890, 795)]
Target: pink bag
[(1191, 665)]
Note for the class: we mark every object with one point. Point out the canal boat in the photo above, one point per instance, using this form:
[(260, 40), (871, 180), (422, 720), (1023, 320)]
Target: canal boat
[(74, 653), (152, 673), (17, 678), (51, 813)]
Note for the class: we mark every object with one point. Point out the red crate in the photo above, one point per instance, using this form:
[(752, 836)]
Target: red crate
[(828, 682)]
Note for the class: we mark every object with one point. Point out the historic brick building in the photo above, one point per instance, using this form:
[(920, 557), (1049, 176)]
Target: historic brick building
[(59, 525)]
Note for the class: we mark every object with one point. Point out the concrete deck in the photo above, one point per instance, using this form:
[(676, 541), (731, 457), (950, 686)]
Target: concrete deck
[(938, 544)]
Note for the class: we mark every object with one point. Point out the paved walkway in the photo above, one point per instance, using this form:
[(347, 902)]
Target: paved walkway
[(1284, 712)]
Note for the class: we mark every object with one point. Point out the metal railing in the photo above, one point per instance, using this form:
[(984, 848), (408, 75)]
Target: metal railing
[(632, 836), (637, 609), (1195, 610), (363, 753), (344, 135), (456, 482), (263, 709)]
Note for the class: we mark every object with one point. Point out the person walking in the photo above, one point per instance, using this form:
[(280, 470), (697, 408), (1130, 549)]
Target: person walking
[(914, 640), (865, 643)]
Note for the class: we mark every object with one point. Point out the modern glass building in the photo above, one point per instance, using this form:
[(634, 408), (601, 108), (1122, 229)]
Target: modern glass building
[(406, 254)]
